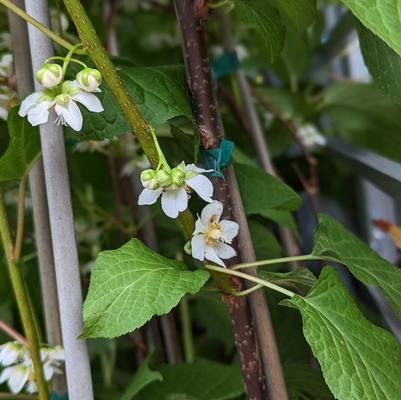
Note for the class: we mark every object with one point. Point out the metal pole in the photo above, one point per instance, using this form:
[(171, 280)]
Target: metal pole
[(79, 379), (23, 71)]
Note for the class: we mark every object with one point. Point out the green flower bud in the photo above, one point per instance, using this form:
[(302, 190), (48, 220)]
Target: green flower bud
[(148, 179), (50, 75), (164, 178), (62, 99), (89, 79), (178, 176)]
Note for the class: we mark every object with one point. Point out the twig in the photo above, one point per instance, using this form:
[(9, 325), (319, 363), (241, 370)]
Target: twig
[(13, 333), (190, 17), (20, 222), (18, 286), (311, 185)]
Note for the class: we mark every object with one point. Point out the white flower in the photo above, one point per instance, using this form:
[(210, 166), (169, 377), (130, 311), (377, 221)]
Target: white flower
[(20, 372), (10, 353), (37, 106), (16, 377), (174, 188), (310, 136), (6, 65), (212, 237)]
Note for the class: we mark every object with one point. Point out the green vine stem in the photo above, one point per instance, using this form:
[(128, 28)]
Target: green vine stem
[(251, 278), (20, 220), (21, 13), (139, 126), (272, 261), (187, 331), (24, 309)]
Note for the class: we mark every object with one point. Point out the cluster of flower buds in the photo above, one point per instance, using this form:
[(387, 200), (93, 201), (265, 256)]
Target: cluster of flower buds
[(174, 185), (51, 75), (60, 96)]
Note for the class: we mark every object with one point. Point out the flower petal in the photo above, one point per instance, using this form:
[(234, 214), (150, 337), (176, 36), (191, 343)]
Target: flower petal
[(71, 114), (149, 196), (225, 251), (174, 201), (199, 227), (229, 230), (202, 186), (193, 167), (18, 378), (211, 255), (89, 100), (28, 103), (211, 211), (198, 247), (39, 113)]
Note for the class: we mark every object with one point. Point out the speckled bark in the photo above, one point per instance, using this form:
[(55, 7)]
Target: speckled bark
[(190, 16)]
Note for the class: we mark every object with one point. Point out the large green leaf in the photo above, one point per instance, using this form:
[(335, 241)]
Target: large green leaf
[(131, 284), (301, 278), (261, 191), (383, 17), (160, 92), (143, 377), (299, 14), (23, 149), (363, 115), (358, 359), (383, 62), (264, 242), (305, 382), (200, 380), (334, 241), (261, 16)]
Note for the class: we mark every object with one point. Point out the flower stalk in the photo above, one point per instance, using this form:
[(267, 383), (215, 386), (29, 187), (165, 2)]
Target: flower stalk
[(24, 308), (139, 126)]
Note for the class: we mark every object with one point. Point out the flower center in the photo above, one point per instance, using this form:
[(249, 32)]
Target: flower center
[(213, 233)]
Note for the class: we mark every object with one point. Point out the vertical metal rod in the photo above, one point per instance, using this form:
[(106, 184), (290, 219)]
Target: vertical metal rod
[(78, 372), (23, 71)]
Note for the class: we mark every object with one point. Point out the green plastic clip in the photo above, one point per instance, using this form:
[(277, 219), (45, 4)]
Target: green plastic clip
[(217, 158)]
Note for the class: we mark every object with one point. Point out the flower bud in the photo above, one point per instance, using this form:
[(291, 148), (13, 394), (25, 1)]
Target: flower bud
[(89, 79), (50, 75), (164, 178), (148, 179), (62, 99), (178, 176)]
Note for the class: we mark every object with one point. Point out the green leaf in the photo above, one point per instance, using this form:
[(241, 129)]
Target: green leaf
[(363, 116), (358, 359), (143, 377), (259, 15), (380, 16), (200, 380), (283, 218), (23, 149), (130, 285), (299, 14), (301, 278), (261, 191), (333, 240), (383, 63), (305, 382), (160, 92), (264, 242)]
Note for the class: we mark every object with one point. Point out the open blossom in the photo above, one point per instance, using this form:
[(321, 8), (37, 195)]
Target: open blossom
[(19, 372), (61, 100), (212, 237), (310, 136), (173, 187)]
